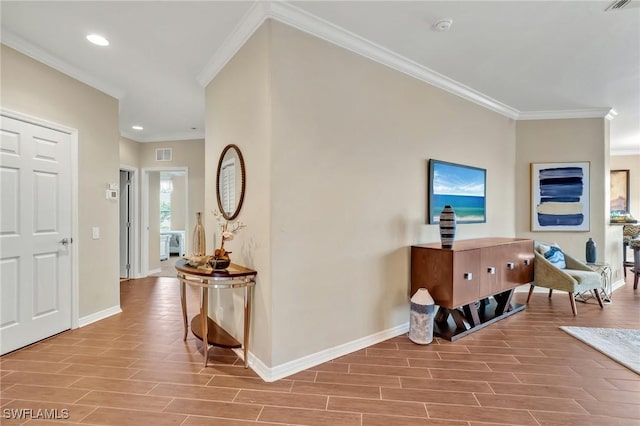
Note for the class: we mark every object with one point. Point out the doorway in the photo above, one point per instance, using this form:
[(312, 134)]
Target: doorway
[(166, 219), (127, 197)]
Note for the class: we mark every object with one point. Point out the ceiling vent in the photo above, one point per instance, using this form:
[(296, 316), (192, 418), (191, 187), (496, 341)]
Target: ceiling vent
[(164, 154), (616, 5)]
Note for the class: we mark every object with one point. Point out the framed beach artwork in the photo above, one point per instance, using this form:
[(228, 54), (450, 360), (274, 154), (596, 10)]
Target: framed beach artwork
[(560, 196), (462, 187)]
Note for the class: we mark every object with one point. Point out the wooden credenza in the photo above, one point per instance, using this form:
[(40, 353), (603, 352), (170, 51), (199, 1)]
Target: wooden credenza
[(472, 283)]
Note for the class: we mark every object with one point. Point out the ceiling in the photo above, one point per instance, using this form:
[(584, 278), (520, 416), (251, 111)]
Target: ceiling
[(538, 59)]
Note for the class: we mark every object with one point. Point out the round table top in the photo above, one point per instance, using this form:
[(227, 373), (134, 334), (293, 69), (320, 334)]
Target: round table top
[(232, 271)]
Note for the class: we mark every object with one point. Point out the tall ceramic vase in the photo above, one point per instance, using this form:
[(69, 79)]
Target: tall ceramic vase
[(447, 227), (199, 242), (590, 251)]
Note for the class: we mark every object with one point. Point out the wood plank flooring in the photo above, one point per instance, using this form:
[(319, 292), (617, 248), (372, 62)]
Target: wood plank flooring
[(134, 369)]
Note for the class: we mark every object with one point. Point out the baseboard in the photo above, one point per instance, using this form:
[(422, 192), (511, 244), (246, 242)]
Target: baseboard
[(90, 319), (525, 288), (154, 271), (270, 374), (617, 285)]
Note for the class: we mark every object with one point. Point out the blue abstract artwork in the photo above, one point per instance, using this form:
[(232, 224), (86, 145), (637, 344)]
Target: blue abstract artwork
[(560, 196)]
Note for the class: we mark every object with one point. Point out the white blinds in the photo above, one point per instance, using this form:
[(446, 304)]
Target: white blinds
[(228, 186)]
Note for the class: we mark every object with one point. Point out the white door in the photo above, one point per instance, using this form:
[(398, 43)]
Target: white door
[(35, 233)]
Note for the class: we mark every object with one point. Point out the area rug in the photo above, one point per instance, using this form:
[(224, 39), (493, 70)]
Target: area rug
[(620, 344)]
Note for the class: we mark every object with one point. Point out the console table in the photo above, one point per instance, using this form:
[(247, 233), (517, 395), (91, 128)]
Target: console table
[(235, 276), (461, 281)]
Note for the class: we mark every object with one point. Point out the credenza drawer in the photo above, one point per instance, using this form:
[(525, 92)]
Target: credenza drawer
[(476, 270)]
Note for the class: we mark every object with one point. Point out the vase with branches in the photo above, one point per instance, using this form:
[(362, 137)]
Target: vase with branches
[(228, 231)]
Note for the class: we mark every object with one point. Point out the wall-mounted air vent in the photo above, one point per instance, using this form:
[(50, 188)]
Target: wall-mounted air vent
[(619, 4), (164, 154)]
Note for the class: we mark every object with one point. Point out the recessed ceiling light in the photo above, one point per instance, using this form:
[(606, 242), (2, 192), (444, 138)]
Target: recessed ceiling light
[(98, 40), (137, 127), (443, 25)]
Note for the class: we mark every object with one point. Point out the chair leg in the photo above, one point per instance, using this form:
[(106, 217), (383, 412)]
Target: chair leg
[(636, 266), (597, 292), (550, 291), (530, 293), (574, 308), (624, 259)]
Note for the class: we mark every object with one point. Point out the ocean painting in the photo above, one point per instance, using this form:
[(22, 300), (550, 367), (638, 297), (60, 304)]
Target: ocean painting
[(461, 187), (560, 196)]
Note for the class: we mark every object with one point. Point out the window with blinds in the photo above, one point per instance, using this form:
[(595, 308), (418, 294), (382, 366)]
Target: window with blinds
[(228, 186), (166, 187)]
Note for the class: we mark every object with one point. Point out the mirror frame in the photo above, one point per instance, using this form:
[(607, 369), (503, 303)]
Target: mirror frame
[(242, 178)]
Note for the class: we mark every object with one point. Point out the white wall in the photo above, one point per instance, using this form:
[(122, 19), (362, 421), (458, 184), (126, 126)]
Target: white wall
[(33, 88)]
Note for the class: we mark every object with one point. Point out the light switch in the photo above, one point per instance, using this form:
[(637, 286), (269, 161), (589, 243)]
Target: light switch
[(95, 232)]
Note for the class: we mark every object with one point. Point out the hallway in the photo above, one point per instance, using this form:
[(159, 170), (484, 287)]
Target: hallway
[(134, 369)]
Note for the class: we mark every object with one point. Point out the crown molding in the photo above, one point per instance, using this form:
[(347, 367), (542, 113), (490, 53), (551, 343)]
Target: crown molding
[(304, 21), (608, 113), (627, 151), (26, 48), (311, 24), (164, 137), (248, 24)]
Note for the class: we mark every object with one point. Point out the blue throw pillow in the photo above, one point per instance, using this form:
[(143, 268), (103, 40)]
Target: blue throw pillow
[(556, 257)]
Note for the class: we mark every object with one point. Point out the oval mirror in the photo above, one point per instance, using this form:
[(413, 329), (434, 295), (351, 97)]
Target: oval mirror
[(230, 182)]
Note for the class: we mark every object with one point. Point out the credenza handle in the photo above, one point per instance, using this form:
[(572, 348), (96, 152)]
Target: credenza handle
[(527, 261), (468, 276), (511, 265), (491, 270)]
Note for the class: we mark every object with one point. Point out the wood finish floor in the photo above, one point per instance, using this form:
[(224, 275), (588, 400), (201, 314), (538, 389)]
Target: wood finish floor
[(134, 369)]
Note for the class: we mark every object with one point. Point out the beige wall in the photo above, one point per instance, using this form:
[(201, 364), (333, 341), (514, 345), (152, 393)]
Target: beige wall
[(351, 140), (238, 112), (571, 140), (186, 153), (342, 145), (33, 88), (632, 163), (129, 153)]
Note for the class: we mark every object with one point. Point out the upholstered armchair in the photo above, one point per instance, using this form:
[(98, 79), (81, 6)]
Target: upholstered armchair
[(575, 278)]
